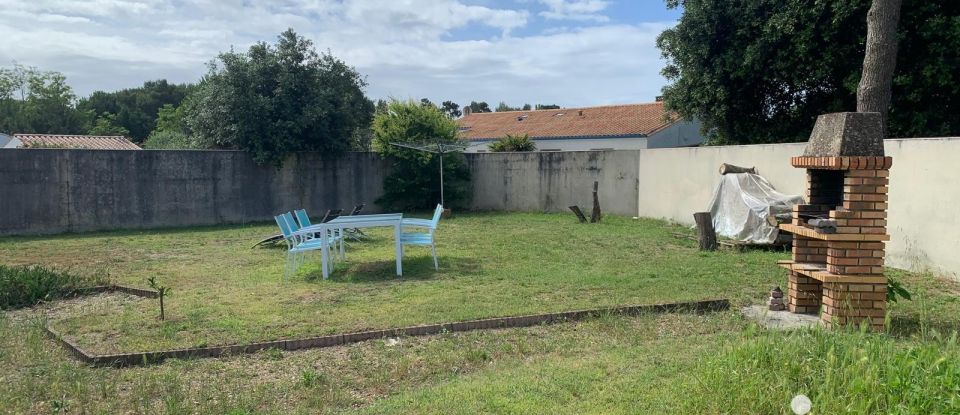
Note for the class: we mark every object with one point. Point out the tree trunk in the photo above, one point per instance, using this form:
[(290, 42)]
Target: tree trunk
[(880, 59), (595, 214), (706, 234), (576, 211), (730, 168)]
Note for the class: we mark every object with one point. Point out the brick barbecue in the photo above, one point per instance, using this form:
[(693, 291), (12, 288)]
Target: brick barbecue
[(837, 269)]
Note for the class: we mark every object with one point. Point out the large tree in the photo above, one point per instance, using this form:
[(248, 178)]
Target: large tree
[(477, 107), (136, 108), (873, 92), (35, 101), (275, 100), (757, 71)]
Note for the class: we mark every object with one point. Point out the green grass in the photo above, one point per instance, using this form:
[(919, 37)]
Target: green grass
[(673, 363), (491, 265)]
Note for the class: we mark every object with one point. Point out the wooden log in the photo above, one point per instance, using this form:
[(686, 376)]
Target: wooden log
[(773, 221), (595, 215), (730, 168), (576, 210), (706, 234)]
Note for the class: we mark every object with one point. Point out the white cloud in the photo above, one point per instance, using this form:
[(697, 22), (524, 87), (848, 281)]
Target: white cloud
[(575, 10), (407, 48)]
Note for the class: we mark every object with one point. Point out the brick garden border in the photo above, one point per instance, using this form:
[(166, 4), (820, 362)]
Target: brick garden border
[(139, 292), (152, 357)]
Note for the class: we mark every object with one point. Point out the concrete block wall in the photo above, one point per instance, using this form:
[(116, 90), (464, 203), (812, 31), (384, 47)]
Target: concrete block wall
[(44, 191), (552, 181)]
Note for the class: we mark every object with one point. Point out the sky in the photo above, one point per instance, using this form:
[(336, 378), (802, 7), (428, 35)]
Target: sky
[(565, 52)]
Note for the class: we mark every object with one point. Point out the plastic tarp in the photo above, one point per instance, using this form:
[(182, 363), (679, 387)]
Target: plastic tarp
[(741, 204)]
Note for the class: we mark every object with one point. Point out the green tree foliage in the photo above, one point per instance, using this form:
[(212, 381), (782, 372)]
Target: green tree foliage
[(275, 100), (478, 107), (513, 143), (169, 140), (502, 106), (414, 181), (171, 132), (41, 102), (136, 108), (170, 119), (106, 124), (452, 109), (761, 71), (547, 107)]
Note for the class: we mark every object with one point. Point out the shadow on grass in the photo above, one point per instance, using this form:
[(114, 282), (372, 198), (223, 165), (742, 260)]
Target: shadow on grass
[(415, 268), (909, 326), (197, 229)]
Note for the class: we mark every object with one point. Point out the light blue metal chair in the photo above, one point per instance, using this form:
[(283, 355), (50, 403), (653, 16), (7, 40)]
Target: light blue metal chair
[(304, 220), (298, 245), (422, 239), (423, 223)]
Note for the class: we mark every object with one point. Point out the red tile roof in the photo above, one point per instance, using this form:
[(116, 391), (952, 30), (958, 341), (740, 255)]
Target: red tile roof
[(606, 121), (93, 142)]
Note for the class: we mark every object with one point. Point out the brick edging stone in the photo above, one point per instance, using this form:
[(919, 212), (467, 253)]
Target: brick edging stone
[(152, 357), (139, 292)]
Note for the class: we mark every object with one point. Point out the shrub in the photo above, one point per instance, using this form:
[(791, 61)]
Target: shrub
[(168, 140), (414, 181), (24, 286), (842, 371), (513, 143)]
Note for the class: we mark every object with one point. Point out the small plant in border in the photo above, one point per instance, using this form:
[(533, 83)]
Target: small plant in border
[(896, 290), (162, 291)]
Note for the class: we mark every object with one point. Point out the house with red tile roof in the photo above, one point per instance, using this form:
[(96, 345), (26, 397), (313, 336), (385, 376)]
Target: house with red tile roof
[(612, 127), (90, 142)]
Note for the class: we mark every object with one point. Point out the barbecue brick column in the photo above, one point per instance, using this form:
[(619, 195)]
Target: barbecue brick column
[(863, 296), (839, 273)]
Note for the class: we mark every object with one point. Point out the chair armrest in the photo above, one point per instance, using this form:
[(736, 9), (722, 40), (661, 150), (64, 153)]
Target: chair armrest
[(418, 223)]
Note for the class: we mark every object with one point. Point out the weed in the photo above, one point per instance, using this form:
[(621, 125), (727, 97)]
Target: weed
[(24, 286), (310, 378), (273, 353)]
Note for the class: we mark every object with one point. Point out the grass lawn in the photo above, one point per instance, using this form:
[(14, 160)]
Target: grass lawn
[(491, 265)]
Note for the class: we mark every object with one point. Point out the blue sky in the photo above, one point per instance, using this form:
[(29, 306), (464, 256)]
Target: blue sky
[(568, 52)]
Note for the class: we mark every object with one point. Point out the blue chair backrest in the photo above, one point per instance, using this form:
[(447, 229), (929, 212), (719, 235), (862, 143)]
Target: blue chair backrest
[(436, 215), (284, 228), (291, 222), (302, 217)]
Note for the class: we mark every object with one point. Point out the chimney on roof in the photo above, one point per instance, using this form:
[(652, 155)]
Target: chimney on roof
[(580, 113), (466, 110), (659, 98)]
